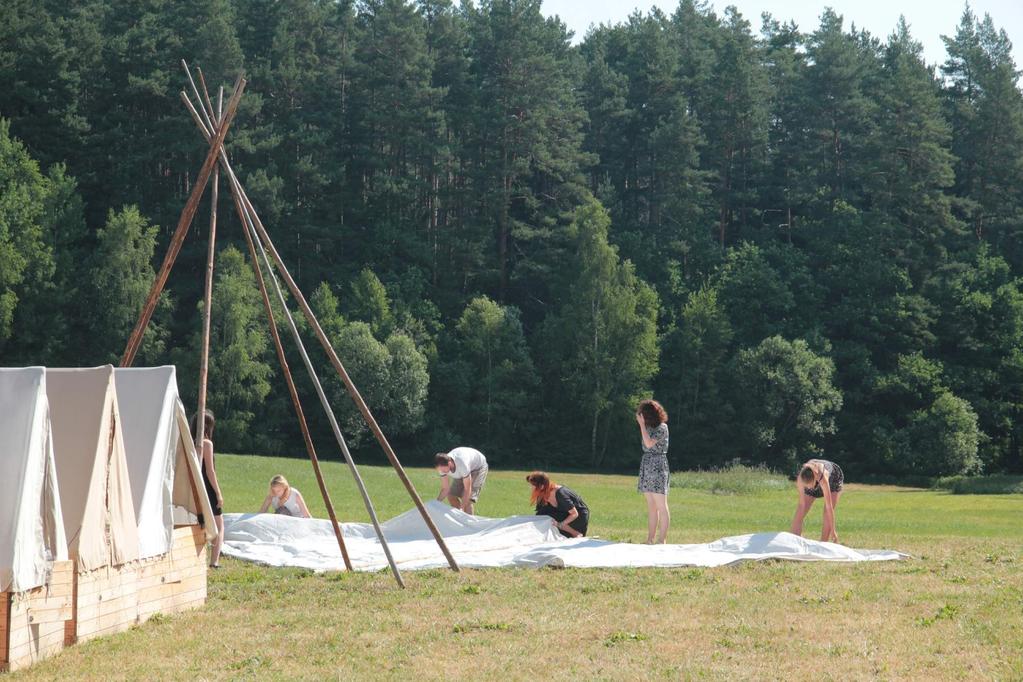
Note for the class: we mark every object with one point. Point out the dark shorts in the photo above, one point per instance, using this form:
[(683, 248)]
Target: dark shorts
[(212, 494), (836, 481)]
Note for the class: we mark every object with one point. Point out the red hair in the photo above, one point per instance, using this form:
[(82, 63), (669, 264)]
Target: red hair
[(542, 486), (653, 413)]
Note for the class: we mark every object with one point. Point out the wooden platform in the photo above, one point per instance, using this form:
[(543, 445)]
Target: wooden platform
[(114, 599), (76, 607), (32, 623), (105, 602), (176, 581)]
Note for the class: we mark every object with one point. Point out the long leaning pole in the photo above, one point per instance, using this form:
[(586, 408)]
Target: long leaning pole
[(350, 385), (327, 408), (335, 361), (207, 311), (184, 222), (293, 391), (279, 348)]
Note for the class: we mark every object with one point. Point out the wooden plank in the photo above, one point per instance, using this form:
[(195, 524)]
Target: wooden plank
[(35, 620), (38, 600), (185, 598), (44, 645), (187, 584), (61, 572), (108, 593), (102, 580), (113, 599), (106, 600), (116, 621), (49, 613), (189, 542), (191, 530), (181, 572), (5, 623), (171, 579), (162, 593)]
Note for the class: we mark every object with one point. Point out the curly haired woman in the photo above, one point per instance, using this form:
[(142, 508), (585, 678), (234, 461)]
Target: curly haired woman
[(654, 476)]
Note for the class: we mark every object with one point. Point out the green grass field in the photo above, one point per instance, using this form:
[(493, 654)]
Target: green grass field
[(954, 611)]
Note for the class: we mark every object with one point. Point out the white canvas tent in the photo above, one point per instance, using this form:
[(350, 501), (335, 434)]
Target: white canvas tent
[(32, 529), (161, 457), (92, 474)]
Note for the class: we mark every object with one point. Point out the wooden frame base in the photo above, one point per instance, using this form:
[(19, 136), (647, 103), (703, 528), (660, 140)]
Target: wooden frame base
[(176, 581), (105, 602), (113, 599), (32, 623)]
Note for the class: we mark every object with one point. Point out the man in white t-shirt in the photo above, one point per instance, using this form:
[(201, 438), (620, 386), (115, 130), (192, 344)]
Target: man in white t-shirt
[(463, 472)]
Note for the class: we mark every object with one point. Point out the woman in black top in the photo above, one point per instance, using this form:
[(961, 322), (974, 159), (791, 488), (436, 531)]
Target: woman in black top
[(571, 515), (209, 479)]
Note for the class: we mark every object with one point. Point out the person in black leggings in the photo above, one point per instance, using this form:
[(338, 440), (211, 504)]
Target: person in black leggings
[(817, 479), (571, 515), (212, 485)]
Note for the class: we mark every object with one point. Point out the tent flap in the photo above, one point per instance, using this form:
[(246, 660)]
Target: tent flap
[(92, 473), (161, 457), (32, 532)]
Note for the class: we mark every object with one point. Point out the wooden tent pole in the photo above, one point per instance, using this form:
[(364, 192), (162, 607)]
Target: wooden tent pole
[(198, 98), (184, 222), (327, 408), (350, 385), (206, 96), (307, 311), (335, 361), (292, 390), (282, 359), (207, 312)]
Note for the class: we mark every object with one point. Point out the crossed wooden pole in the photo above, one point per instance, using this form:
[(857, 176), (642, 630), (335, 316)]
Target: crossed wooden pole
[(214, 126)]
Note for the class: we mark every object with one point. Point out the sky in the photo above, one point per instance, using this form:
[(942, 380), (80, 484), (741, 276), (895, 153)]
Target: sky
[(928, 19)]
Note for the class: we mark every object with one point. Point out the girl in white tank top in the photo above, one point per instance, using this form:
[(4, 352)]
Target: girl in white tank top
[(285, 499)]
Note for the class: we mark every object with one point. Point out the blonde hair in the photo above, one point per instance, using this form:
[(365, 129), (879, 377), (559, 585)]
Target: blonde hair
[(280, 480)]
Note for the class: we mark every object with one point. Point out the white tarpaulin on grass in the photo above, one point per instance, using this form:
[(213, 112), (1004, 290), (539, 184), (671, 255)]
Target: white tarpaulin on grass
[(477, 542)]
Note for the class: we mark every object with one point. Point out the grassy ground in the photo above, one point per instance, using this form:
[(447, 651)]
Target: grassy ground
[(955, 611)]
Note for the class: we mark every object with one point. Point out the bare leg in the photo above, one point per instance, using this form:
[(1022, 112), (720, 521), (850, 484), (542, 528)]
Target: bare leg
[(455, 502), (663, 517), (651, 518), (802, 509), (831, 534), (218, 543)]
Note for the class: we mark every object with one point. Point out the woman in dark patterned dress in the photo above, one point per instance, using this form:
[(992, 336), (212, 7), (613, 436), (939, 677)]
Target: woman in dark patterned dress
[(654, 476), (819, 478)]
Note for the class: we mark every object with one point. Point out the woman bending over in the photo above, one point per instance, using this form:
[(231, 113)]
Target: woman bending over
[(818, 478), (571, 515)]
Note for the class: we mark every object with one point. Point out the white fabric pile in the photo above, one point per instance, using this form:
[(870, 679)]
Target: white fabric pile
[(477, 542)]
